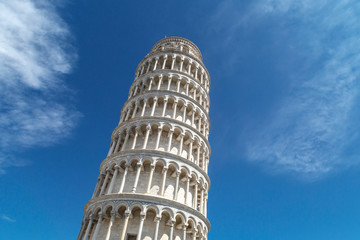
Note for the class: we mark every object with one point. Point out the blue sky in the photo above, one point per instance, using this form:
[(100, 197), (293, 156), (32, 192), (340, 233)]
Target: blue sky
[(284, 113)]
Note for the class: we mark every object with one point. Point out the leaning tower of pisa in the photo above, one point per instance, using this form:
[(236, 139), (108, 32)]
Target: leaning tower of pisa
[(153, 184)]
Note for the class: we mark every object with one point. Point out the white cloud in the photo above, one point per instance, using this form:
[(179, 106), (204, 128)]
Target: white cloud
[(318, 118), (316, 121), (8, 219), (35, 52)]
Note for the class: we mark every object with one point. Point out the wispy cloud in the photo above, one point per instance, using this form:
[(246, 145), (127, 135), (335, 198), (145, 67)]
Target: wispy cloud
[(318, 119), (8, 219), (35, 53)]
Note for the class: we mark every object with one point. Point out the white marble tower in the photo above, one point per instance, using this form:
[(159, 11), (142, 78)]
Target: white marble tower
[(154, 184)]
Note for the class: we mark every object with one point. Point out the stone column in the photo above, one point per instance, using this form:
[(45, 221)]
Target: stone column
[(88, 228), (164, 63), (150, 178), (194, 235), (105, 182), (98, 226), (150, 83), (82, 230), (189, 72), (111, 148), (202, 200), (181, 144), (201, 236), (135, 90), (142, 218), (127, 114), (118, 143), (196, 72), (178, 85), (165, 105), (177, 185), (122, 116), (112, 219), (184, 231), (126, 140), (169, 82), (203, 161), (205, 205), (170, 139), (154, 105), (190, 149), (174, 113), (198, 155), (148, 129), (135, 109), (98, 185), (171, 236), (160, 80), (158, 138), (164, 172), (148, 68), (138, 169), (173, 62), (144, 107), (124, 179), (156, 62), (193, 117), (195, 194), (123, 233), (187, 190), (181, 63), (135, 137), (184, 113), (113, 179), (187, 88), (157, 222)]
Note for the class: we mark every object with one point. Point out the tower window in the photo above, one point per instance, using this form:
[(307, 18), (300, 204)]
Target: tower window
[(131, 237)]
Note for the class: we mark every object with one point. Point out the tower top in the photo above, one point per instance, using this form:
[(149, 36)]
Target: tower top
[(177, 44)]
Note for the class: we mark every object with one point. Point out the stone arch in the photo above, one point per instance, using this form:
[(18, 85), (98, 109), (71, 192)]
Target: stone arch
[(186, 169), (135, 159), (148, 160), (135, 205), (109, 206), (202, 181), (168, 211), (97, 210), (173, 163), (199, 227), (192, 222), (161, 161), (181, 215), (112, 164), (154, 208), (121, 205), (194, 176)]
